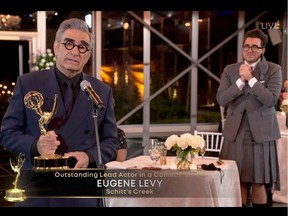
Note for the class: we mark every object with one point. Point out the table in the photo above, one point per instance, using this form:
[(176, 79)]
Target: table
[(202, 188), (282, 195)]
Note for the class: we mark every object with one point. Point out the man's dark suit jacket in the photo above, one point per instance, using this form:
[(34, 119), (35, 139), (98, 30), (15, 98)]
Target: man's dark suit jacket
[(20, 126)]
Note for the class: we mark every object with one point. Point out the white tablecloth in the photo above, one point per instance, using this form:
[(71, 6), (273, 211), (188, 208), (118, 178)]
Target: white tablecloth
[(282, 195), (202, 188)]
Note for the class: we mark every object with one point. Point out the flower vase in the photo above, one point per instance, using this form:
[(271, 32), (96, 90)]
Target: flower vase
[(193, 165), (184, 160)]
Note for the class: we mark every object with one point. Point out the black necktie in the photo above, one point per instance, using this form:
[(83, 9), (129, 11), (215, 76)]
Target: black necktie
[(68, 97)]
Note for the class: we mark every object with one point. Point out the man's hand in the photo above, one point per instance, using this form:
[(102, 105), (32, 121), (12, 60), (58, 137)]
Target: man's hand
[(245, 73), (47, 144), (81, 157)]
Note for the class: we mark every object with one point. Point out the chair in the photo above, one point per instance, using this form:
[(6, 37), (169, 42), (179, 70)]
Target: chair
[(213, 142)]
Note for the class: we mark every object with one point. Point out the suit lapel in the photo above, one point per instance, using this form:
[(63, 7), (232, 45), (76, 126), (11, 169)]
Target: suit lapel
[(262, 69)]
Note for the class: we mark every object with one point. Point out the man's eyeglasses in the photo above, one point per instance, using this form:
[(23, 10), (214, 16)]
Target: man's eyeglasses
[(69, 45), (254, 48)]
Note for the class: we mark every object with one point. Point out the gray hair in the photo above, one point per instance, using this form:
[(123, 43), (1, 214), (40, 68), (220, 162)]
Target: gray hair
[(74, 23)]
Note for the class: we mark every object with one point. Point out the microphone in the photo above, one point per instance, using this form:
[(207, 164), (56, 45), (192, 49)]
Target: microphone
[(86, 87)]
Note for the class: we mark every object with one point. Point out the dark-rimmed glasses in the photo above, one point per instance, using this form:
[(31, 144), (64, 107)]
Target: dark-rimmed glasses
[(69, 45), (254, 48)]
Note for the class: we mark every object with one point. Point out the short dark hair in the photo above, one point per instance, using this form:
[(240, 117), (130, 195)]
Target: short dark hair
[(257, 33)]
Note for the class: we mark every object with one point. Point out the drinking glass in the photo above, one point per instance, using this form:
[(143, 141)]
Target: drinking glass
[(202, 151), (163, 150), (153, 143), (155, 153)]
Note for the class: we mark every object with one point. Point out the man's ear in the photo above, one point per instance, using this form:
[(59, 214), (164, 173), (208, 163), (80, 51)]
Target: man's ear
[(55, 48)]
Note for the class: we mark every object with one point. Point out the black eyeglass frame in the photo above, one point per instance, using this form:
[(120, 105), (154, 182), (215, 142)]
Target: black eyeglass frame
[(67, 44), (254, 48)]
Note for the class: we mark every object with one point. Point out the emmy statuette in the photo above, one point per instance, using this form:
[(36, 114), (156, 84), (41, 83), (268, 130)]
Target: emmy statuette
[(34, 100), (16, 194)]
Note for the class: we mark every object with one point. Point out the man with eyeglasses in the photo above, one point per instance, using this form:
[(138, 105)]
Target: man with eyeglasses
[(71, 133), (250, 89)]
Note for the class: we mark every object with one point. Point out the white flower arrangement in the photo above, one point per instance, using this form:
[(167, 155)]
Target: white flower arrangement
[(44, 61), (185, 146), (186, 142)]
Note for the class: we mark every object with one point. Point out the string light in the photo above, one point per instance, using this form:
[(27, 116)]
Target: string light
[(6, 89), (9, 22)]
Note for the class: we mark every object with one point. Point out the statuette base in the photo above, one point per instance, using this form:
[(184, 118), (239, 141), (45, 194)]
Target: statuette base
[(15, 195), (51, 162)]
